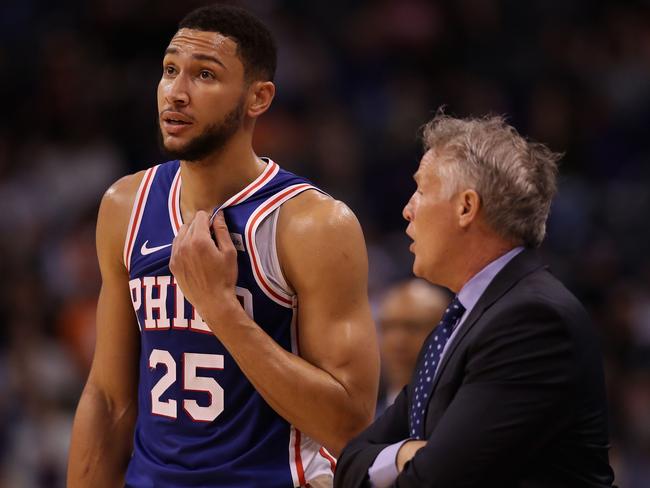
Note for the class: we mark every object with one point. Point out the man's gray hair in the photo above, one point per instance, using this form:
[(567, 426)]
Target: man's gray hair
[(514, 178)]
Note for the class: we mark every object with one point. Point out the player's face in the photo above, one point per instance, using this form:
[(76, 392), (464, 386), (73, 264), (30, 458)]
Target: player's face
[(201, 94), (433, 225)]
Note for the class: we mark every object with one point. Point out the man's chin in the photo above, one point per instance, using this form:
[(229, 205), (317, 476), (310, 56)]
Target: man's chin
[(174, 144), (178, 150), (417, 271), (171, 145)]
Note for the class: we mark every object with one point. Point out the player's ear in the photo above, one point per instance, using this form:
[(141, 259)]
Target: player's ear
[(260, 96)]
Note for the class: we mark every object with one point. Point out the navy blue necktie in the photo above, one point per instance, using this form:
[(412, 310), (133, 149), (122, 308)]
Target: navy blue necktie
[(433, 348)]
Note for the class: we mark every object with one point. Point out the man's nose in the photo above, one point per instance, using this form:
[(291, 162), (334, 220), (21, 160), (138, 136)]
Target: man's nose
[(407, 212), (176, 92)]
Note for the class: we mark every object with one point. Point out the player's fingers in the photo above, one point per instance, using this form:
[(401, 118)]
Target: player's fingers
[(181, 235), (221, 234), (191, 231), (177, 243), (199, 232), (200, 223)]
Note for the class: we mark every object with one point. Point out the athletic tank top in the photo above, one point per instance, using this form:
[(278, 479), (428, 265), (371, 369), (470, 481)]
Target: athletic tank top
[(200, 421)]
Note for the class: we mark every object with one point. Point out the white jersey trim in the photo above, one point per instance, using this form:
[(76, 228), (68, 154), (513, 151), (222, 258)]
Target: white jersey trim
[(174, 199), (139, 204), (267, 175), (270, 289), (265, 240), (310, 463), (174, 203)]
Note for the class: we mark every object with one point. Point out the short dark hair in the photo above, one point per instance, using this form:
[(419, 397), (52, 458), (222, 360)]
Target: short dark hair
[(255, 44)]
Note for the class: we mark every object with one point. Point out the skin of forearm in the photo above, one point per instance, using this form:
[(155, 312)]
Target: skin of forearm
[(308, 397), (102, 440)]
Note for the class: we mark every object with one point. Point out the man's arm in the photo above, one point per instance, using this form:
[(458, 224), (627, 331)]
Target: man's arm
[(519, 391), (102, 433), (357, 457), (329, 391)]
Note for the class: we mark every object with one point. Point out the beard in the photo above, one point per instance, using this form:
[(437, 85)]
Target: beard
[(212, 140)]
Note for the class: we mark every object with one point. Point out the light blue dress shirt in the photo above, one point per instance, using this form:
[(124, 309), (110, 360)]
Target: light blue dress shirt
[(383, 471)]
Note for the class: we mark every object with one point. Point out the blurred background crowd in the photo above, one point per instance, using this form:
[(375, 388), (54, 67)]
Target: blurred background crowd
[(356, 80)]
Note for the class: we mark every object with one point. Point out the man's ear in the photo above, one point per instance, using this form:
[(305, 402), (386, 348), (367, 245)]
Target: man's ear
[(469, 204), (260, 96)]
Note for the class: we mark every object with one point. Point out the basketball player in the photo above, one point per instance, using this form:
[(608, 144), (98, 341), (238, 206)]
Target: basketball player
[(251, 355)]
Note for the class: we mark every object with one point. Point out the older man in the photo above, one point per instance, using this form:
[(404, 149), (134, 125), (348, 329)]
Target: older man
[(509, 388)]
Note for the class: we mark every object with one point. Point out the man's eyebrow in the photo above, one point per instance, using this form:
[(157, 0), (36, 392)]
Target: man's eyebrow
[(207, 57), (198, 56)]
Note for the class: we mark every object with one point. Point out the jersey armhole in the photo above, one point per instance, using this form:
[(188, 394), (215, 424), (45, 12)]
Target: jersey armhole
[(266, 242), (136, 214), (266, 265)]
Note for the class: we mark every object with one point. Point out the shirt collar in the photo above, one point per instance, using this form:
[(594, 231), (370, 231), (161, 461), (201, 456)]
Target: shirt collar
[(474, 288)]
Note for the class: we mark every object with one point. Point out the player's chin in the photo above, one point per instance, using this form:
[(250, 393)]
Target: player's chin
[(175, 144)]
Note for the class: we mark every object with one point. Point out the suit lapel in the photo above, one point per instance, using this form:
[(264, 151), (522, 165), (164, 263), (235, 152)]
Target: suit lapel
[(521, 265)]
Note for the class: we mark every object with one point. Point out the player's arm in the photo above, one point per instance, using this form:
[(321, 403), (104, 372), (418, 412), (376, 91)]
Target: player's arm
[(102, 433), (329, 392), (323, 254)]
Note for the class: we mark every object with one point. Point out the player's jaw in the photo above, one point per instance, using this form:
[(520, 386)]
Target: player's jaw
[(181, 136)]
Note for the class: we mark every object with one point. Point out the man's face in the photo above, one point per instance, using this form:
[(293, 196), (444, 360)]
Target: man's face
[(201, 94), (406, 317), (433, 224)]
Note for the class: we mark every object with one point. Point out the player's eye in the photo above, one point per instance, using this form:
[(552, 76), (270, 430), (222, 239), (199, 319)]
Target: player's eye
[(169, 70), (206, 75)]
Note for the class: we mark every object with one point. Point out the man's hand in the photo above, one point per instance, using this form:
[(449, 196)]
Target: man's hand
[(407, 451), (206, 270)]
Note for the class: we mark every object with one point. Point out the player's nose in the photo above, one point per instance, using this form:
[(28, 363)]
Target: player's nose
[(176, 91)]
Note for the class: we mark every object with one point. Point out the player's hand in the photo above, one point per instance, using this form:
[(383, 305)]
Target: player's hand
[(206, 269), (407, 451)]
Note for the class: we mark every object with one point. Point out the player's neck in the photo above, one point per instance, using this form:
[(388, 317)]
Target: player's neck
[(208, 183)]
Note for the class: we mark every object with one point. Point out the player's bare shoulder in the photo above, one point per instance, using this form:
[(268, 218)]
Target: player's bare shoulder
[(314, 212), (317, 232), (122, 193), (114, 214)]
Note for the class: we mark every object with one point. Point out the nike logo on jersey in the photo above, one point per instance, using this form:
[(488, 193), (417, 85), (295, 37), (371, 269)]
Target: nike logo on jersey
[(144, 250)]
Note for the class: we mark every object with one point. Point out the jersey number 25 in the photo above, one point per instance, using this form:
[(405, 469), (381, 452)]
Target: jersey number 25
[(191, 382)]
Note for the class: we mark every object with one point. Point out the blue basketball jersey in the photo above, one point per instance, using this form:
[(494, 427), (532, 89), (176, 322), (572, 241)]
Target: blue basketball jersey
[(200, 421)]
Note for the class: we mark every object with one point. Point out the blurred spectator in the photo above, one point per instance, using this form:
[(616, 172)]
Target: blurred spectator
[(46, 383), (408, 312)]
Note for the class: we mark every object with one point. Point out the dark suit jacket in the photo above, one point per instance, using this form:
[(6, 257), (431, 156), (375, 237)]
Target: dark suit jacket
[(518, 400)]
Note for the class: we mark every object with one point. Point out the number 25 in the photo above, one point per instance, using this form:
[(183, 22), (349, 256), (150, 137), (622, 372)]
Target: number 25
[(191, 382)]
